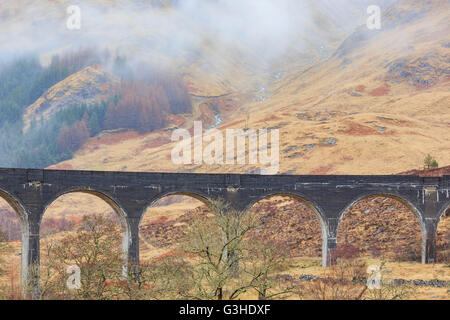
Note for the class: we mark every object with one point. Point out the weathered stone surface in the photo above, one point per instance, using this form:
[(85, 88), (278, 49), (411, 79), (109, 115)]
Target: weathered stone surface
[(31, 191)]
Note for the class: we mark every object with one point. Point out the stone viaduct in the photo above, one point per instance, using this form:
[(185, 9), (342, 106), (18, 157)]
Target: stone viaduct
[(31, 191)]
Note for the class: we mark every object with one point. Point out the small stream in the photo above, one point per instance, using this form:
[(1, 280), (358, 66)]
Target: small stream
[(218, 120)]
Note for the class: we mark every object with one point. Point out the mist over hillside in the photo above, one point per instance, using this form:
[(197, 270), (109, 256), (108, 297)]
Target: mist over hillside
[(256, 33), (217, 46), (301, 60), (211, 36)]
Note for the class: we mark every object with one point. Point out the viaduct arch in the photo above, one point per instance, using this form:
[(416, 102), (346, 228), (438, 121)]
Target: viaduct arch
[(406, 202)]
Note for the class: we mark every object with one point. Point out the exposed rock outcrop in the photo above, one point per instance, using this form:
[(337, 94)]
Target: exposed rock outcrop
[(89, 85)]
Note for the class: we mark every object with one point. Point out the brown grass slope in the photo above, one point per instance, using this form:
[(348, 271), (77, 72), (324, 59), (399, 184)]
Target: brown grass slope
[(376, 106)]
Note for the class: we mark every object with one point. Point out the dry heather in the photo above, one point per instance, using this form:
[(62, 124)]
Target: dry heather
[(374, 227), (288, 223), (162, 232), (382, 226)]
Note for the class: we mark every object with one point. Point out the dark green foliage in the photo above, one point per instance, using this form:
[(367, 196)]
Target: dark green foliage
[(38, 147), (96, 114), (430, 163), (434, 164), (60, 68), (21, 83), (141, 105), (15, 82), (70, 139)]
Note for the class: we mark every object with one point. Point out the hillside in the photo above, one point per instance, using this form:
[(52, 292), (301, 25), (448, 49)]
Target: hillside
[(374, 96), (88, 86), (435, 172)]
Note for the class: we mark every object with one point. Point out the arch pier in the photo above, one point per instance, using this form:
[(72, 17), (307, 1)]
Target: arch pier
[(31, 191)]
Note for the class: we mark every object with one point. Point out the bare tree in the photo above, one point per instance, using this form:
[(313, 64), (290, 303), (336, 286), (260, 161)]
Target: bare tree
[(429, 162), (262, 261), (158, 279), (95, 248), (225, 263), (348, 281), (4, 249)]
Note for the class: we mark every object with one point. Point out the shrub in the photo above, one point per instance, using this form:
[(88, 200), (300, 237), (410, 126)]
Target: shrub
[(408, 252), (347, 251), (429, 162), (72, 138)]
